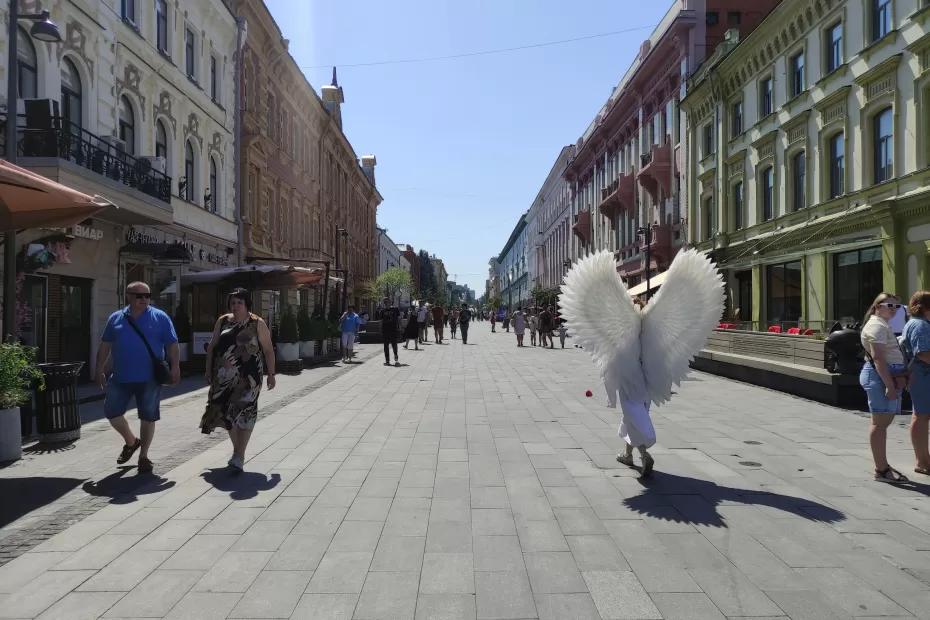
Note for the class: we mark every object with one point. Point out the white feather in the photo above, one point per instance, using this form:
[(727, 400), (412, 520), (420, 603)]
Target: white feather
[(678, 320), (604, 321)]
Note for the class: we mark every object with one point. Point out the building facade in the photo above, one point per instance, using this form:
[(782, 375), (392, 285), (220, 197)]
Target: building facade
[(512, 268), (554, 241), (809, 160), (389, 254), (625, 175), (442, 276), (307, 196), (136, 104)]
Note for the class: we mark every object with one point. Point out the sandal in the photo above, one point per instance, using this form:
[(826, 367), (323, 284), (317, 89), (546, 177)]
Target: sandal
[(625, 459), (145, 466), (922, 470), (890, 475), (648, 463), (128, 451)]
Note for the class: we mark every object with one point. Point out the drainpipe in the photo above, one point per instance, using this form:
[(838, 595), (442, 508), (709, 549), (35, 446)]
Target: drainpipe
[(237, 147)]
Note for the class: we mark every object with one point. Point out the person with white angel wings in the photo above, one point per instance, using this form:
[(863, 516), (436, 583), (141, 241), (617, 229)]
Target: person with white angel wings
[(641, 352)]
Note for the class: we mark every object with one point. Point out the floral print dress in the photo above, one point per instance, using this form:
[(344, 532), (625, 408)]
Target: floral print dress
[(238, 367)]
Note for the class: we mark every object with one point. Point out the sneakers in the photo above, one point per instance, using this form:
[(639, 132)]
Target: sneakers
[(236, 463), (396, 363)]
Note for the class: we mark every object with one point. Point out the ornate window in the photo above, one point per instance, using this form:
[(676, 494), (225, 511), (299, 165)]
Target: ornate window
[(767, 191), (161, 26), (883, 129), (765, 97), (71, 94), (837, 154), (189, 171), (797, 78), (799, 180), (28, 65), (127, 125), (881, 18), (161, 140), (214, 189), (834, 46)]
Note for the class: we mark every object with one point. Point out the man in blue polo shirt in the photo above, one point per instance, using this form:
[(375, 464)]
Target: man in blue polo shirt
[(125, 368), (349, 323)]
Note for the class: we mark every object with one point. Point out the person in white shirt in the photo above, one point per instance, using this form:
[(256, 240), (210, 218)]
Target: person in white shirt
[(422, 314)]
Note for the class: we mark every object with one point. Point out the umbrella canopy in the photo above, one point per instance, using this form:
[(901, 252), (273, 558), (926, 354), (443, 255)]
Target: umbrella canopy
[(29, 200), (258, 276)]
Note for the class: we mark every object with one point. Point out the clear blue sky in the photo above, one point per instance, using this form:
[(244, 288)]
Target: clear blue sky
[(464, 145)]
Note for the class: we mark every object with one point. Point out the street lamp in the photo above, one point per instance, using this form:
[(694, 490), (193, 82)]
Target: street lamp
[(646, 232), (342, 232), (43, 29)]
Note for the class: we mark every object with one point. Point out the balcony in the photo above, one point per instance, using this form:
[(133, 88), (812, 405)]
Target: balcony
[(660, 249), (655, 173), (617, 197), (67, 141), (582, 226)]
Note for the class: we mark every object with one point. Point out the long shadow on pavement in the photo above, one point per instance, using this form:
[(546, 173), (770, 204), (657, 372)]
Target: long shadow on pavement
[(123, 489), (23, 495), (691, 500), (240, 485)]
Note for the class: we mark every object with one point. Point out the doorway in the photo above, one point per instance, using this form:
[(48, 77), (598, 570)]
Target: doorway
[(75, 322)]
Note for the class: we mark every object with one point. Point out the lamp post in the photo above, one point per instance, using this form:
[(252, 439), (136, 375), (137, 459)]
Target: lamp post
[(646, 232), (342, 232), (43, 29)]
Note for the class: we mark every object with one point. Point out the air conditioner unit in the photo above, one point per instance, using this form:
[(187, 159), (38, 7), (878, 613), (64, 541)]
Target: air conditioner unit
[(159, 164), (115, 143)]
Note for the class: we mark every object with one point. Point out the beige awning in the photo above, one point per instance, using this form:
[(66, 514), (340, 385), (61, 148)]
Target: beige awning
[(30, 200), (654, 283)]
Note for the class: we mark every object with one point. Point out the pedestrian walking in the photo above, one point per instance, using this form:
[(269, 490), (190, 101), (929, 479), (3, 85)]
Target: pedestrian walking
[(422, 318), (439, 316), (239, 355), (412, 331), (915, 341), (519, 325), (137, 343), (506, 320), (883, 378), (545, 327), (563, 331), (390, 326), (349, 323), (464, 320), (493, 322), (533, 322), (453, 322)]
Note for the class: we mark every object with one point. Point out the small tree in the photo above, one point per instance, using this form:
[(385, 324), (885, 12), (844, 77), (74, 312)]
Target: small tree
[(394, 282), (304, 325), (18, 370), (287, 332)]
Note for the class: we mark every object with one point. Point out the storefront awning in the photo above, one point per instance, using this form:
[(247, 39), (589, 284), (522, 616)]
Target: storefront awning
[(259, 277), (160, 252), (654, 283), (30, 200)]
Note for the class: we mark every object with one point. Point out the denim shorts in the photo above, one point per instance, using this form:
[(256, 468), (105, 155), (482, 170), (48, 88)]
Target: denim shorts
[(147, 395), (874, 388), (920, 388)]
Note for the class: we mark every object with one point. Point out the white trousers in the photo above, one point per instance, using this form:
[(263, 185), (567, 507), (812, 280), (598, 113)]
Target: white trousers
[(635, 424)]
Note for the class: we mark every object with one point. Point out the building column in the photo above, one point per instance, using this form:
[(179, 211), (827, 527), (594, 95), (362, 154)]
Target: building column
[(757, 297)]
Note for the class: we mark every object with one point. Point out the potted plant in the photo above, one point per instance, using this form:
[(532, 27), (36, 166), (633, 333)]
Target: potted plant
[(182, 326), (18, 371), (288, 338), (305, 332)]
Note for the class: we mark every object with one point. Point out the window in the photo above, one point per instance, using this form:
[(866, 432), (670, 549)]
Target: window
[(857, 279), (881, 18), (797, 74), (734, 18), (189, 48), (783, 293), (71, 104), (884, 145), (707, 221), (767, 187), (161, 25), (713, 18), (708, 139), (127, 125), (270, 117), (736, 119), (837, 150), (834, 52), (214, 81), (738, 205), (129, 11), (161, 140), (187, 190), (210, 203), (798, 180), (765, 97), (26, 59)]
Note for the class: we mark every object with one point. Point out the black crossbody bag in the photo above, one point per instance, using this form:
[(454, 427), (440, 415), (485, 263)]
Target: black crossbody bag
[(160, 368)]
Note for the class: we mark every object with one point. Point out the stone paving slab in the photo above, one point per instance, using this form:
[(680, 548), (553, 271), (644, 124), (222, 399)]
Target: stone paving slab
[(479, 482)]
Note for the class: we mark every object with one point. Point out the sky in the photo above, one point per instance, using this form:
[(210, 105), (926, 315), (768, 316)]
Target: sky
[(464, 144)]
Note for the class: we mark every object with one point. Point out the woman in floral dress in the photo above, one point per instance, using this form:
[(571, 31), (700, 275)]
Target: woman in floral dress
[(239, 354)]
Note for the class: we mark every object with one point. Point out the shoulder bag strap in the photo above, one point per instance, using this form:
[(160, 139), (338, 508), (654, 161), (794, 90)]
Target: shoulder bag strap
[(141, 335)]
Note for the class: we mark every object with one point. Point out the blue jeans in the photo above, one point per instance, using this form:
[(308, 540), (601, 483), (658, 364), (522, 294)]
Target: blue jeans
[(874, 388), (147, 395)]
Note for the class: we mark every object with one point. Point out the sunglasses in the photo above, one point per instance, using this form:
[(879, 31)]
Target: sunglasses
[(891, 305), (141, 295)]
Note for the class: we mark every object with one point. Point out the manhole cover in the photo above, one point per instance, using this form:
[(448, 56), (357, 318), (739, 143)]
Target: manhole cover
[(753, 443), (750, 464)]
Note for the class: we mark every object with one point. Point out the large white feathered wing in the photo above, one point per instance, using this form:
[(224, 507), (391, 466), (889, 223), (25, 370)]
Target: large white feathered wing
[(603, 320), (678, 320)]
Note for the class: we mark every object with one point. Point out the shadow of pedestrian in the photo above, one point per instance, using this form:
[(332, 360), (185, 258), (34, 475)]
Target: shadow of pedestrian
[(123, 489), (240, 485), (23, 495), (690, 500)]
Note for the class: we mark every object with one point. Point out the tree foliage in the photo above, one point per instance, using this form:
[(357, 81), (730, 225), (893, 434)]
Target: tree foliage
[(393, 283), (428, 287)]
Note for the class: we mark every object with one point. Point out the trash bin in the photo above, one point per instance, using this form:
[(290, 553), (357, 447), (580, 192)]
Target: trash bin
[(57, 415)]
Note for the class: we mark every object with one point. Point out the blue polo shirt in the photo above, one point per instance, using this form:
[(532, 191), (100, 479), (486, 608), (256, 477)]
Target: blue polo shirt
[(350, 323), (131, 360)]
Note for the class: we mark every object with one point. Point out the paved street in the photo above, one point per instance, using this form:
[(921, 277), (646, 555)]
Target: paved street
[(480, 482)]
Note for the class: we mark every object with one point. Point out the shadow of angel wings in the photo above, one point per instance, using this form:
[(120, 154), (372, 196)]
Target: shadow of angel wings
[(643, 353)]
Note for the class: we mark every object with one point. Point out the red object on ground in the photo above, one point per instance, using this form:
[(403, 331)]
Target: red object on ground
[(589, 393)]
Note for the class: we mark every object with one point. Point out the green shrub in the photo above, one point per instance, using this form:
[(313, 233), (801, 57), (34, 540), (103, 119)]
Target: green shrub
[(304, 324), (287, 331), (18, 371)]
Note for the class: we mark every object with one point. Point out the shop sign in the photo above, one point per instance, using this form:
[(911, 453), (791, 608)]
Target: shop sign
[(205, 254), (86, 232), (201, 342)]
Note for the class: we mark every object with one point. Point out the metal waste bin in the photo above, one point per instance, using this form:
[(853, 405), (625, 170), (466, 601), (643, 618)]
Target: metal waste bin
[(57, 415)]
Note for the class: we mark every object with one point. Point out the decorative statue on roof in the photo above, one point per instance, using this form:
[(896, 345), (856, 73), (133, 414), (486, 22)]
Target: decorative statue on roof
[(642, 350)]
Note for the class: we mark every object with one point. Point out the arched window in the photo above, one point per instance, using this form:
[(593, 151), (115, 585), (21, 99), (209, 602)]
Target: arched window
[(71, 104), (161, 141), (28, 72), (189, 172), (127, 125), (884, 145), (214, 188)]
